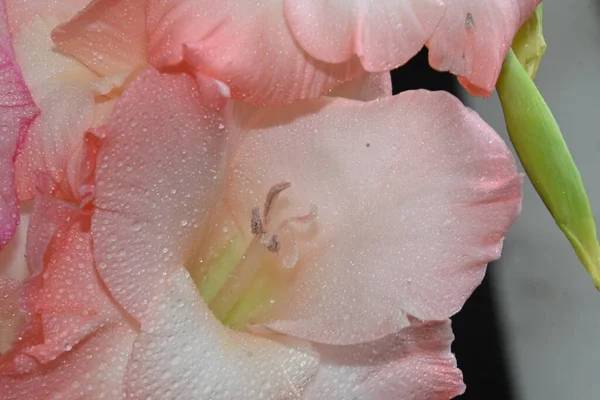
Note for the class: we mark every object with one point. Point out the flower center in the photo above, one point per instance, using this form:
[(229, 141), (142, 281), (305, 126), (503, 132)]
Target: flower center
[(244, 276)]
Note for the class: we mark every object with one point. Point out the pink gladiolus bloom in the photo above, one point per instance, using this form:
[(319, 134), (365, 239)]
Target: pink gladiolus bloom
[(225, 215)]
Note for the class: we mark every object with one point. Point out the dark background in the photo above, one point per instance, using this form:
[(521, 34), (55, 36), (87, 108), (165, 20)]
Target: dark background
[(478, 346)]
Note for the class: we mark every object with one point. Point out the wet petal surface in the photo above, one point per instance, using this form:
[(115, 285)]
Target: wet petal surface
[(413, 196), (159, 170), (415, 364), (473, 37), (384, 34), (183, 352), (245, 44), (17, 113)]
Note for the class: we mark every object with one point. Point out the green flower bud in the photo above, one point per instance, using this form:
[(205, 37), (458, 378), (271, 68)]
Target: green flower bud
[(547, 161)]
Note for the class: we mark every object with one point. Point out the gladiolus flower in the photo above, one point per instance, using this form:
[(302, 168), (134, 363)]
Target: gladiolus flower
[(206, 224), (282, 200)]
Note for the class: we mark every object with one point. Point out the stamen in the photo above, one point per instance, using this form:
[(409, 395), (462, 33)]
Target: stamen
[(272, 194), (256, 225), (273, 244), (260, 230)]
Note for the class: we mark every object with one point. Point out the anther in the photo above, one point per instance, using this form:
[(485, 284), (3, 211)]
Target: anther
[(256, 225), (273, 244)]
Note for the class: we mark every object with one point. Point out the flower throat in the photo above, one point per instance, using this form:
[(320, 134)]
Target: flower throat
[(246, 277)]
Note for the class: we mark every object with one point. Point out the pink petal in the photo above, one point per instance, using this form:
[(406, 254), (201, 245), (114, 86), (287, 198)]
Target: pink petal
[(245, 44), (472, 39), (52, 216), (183, 352), (384, 34), (10, 316), (93, 371), (76, 343), (18, 111), (67, 112), (109, 36), (414, 364), (23, 12), (64, 292), (12, 256), (159, 172), (64, 298), (71, 301), (414, 194), (61, 87)]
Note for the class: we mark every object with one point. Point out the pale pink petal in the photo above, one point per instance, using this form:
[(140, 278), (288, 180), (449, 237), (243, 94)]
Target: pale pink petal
[(413, 196), (384, 34), (17, 113), (414, 364), (93, 370), (109, 36), (159, 170), (472, 39), (23, 12), (183, 352), (245, 44), (61, 88), (11, 318), (370, 86)]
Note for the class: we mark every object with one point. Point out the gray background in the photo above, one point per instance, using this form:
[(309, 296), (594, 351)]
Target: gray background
[(549, 308)]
